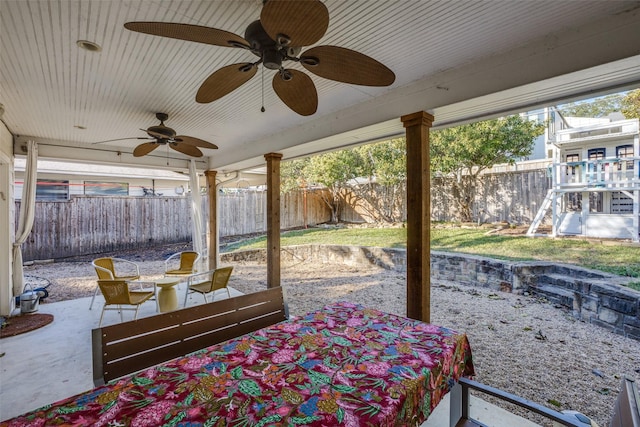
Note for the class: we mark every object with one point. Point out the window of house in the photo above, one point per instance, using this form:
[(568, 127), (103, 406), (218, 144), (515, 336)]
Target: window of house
[(595, 154), (621, 203), (596, 204), (572, 169), (572, 202), (623, 151), (51, 189), (97, 188)]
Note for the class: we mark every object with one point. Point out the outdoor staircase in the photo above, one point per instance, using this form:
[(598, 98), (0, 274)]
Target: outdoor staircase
[(546, 204), (557, 288), (575, 289)]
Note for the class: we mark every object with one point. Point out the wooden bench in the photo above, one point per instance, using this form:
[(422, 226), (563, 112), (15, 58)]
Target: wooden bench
[(128, 347)]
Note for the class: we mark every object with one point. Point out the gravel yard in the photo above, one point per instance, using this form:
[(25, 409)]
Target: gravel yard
[(520, 344)]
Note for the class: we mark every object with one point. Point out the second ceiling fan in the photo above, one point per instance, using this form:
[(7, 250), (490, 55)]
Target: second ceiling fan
[(284, 28), (163, 135)]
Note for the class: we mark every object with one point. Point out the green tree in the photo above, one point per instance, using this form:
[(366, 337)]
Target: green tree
[(332, 170), (463, 152), (380, 169), (596, 107), (384, 166), (631, 105), (293, 174), (385, 160), (374, 173)]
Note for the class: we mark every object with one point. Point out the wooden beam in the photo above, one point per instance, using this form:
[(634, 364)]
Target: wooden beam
[(273, 219), (212, 234), (417, 127)]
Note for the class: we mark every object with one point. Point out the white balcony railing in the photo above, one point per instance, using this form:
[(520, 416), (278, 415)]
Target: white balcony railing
[(614, 173)]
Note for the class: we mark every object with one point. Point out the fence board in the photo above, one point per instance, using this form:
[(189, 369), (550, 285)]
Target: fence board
[(91, 225)]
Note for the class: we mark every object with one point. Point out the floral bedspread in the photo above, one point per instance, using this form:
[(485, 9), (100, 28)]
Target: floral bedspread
[(342, 365)]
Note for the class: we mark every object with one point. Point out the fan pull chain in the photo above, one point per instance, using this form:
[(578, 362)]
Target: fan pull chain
[(262, 109)]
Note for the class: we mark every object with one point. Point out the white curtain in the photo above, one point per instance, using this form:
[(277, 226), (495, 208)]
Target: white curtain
[(199, 244), (27, 209)]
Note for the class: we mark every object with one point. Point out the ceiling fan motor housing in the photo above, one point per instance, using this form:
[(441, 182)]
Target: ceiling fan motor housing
[(163, 130), (264, 46)]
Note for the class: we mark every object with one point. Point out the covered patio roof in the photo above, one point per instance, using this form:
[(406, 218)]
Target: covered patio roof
[(457, 60), (454, 62)]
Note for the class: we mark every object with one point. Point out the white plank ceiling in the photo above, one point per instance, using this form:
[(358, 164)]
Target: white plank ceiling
[(459, 60)]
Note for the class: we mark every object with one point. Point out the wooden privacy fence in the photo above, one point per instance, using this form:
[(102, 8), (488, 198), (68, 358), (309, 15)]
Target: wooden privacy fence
[(244, 212), (86, 225), (89, 225), (513, 196)]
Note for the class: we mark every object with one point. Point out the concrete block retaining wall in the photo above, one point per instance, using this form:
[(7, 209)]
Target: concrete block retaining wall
[(593, 296)]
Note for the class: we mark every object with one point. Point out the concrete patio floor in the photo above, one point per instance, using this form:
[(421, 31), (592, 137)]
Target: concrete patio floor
[(54, 362)]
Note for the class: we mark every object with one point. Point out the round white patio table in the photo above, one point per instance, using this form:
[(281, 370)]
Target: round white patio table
[(167, 295)]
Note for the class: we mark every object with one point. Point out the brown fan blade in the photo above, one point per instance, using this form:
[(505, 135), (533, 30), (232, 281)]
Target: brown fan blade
[(144, 149), (303, 23), (224, 81), (190, 140), (298, 93), (193, 33), (346, 66), (187, 149)]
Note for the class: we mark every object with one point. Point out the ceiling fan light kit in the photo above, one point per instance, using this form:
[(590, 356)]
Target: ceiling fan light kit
[(284, 28)]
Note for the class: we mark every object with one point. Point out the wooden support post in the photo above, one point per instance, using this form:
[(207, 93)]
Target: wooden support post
[(273, 219), (417, 127), (212, 234)]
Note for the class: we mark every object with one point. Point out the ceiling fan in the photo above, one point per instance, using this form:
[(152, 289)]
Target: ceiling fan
[(284, 28), (164, 135)]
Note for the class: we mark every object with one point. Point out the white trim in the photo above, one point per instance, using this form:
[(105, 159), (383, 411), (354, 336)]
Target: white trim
[(7, 207)]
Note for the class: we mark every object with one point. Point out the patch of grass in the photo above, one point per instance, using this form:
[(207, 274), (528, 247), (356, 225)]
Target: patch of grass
[(380, 237), (621, 259)]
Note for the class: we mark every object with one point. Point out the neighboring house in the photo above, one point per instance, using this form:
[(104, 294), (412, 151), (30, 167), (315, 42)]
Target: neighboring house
[(555, 121), (595, 172), (544, 116), (60, 181)]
